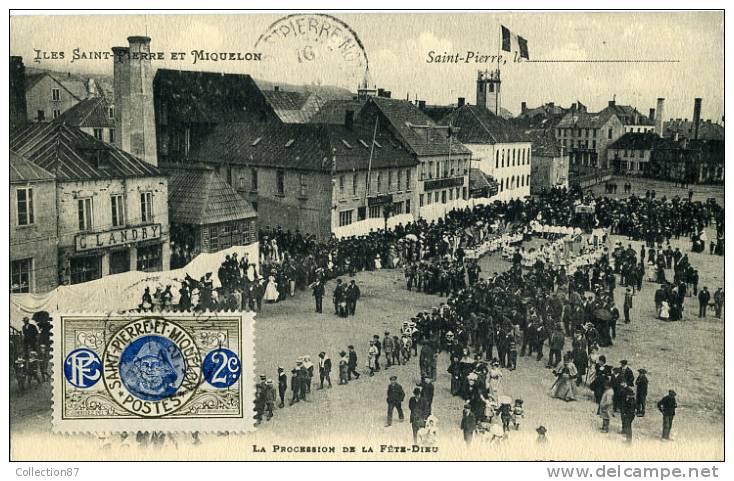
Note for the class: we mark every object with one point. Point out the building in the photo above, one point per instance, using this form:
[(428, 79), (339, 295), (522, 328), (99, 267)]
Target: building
[(586, 136), (481, 185), (631, 153), (695, 161), (550, 165), (313, 178), (443, 163), (291, 106), (497, 147), (189, 105), (18, 107), (49, 94), (206, 214), (33, 234), (684, 129), (94, 116), (112, 207), (632, 120), (489, 85)]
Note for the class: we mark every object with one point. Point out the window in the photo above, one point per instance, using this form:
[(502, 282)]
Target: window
[(85, 213), (24, 204), (389, 180), (407, 206), (400, 179), (40, 115), (150, 258), (497, 160), (345, 218), (354, 184), (303, 185), (397, 208), (280, 182), (407, 179), (111, 112), (112, 135), (55, 95), (609, 134), (146, 206), (379, 182), (420, 200), (253, 178), (84, 269), (20, 276), (443, 197), (56, 113), (98, 134), (118, 211), (341, 184), (375, 212)]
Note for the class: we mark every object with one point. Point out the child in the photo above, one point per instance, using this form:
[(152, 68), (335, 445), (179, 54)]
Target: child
[(517, 413), (541, 434), (343, 368), (505, 412), (396, 354)]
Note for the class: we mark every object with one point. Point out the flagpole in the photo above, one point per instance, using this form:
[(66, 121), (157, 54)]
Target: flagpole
[(499, 49), (369, 165)]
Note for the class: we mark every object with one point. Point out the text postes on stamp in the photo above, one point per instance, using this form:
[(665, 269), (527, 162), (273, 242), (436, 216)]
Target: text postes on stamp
[(168, 372)]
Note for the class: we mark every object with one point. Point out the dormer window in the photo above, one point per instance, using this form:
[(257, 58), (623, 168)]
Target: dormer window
[(289, 143), (346, 144), (257, 141), (364, 144)]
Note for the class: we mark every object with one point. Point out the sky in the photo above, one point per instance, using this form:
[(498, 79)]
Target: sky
[(397, 45)]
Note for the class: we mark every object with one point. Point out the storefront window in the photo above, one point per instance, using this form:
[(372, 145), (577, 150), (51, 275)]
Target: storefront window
[(20, 275), (150, 258), (85, 269)]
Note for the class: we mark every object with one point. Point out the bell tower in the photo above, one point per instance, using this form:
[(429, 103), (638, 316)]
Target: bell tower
[(488, 90)]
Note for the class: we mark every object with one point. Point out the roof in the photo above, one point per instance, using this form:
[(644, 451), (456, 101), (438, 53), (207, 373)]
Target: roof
[(477, 179), (207, 97), (334, 111), (198, 195), (545, 144), (75, 85), (477, 125), (313, 147), (629, 115), (93, 112), (415, 128), (285, 100), (23, 170), (586, 119), (72, 154), (294, 107), (636, 141), (684, 128)]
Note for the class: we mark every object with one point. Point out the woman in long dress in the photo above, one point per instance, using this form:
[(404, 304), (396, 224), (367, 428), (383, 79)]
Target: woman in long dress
[(494, 379), (564, 387), (271, 290)]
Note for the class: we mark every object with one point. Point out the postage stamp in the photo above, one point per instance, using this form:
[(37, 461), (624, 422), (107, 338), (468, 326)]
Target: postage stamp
[(154, 371)]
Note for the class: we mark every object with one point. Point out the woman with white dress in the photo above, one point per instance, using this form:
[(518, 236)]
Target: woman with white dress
[(271, 290)]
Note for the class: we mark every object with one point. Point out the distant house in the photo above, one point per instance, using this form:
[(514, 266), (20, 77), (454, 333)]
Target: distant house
[(550, 167), (498, 148), (48, 94), (206, 213), (630, 153), (586, 136), (95, 116), (679, 129)]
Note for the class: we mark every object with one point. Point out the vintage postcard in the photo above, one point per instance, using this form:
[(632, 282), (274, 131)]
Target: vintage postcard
[(372, 235)]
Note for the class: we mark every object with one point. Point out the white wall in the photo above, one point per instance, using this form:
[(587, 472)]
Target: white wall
[(497, 160)]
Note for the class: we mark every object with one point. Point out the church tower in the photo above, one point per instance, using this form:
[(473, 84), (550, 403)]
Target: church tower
[(488, 90)]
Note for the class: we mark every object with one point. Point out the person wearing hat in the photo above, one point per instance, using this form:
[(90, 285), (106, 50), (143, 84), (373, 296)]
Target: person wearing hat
[(627, 304), (667, 407), (395, 397), (30, 336), (282, 386), (417, 413), (343, 368), (427, 390), (352, 364), (606, 406), (541, 430), (269, 399), (468, 423), (627, 373), (324, 369), (388, 347), (627, 409), (295, 386), (641, 396)]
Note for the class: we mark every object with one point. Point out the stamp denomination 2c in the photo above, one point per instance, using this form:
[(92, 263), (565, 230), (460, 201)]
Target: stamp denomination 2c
[(164, 371)]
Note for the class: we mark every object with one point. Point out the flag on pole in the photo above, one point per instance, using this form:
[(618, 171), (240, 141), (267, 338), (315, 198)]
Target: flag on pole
[(510, 40)]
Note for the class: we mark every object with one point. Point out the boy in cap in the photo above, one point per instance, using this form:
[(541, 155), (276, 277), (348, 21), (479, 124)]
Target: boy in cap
[(282, 386), (541, 430), (352, 364)]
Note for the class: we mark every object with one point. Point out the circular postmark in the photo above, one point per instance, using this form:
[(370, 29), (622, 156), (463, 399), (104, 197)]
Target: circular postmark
[(222, 368), (152, 367), (317, 47), (82, 368)]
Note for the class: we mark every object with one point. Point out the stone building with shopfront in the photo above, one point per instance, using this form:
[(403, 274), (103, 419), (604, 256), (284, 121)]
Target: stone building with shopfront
[(112, 206)]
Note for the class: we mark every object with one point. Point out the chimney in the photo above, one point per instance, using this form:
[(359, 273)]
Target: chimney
[(422, 104), (461, 102), (659, 116), (349, 119), (551, 105), (612, 103), (652, 115), (380, 92), (134, 111), (523, 107), (696, 117), (18, 106), (276, 88)]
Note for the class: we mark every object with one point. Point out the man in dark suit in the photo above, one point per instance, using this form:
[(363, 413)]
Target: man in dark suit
[(339, 293), (324, 369), (395, 396), (417, 413), (353, 294), (667, 407), (318, 294), (703, 301), (352, 364), (627, 305)]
